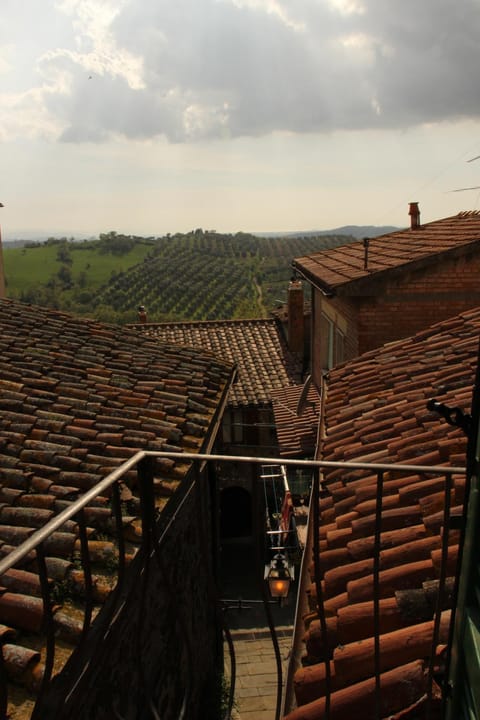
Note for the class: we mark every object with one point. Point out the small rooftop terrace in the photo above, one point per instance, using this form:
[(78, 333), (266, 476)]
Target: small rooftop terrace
[(383, 533)]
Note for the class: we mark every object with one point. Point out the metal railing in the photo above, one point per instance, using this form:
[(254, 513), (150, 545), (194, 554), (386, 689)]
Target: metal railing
[(143, 463)]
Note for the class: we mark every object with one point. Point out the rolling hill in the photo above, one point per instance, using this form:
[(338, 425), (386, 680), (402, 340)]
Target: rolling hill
[(199, 275)]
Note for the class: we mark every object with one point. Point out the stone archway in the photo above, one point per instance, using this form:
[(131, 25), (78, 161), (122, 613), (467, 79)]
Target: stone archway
[(235, 512)]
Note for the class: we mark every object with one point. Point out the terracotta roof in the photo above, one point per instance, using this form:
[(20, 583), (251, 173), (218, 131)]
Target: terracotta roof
[(257, 347), (296, 431), (345, 265), (76, 399), (376, 412)]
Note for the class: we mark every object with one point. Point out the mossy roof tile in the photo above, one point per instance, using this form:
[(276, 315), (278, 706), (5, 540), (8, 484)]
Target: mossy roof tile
[(76, 399)]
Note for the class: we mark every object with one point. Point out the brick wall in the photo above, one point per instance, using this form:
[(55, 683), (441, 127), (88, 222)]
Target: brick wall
[(416, 300), (163, 642), (390, 311)]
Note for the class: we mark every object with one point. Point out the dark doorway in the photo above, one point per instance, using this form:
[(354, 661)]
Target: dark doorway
[(235, 513)]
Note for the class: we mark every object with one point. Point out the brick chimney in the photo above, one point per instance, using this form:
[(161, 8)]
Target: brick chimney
[(414, 212), (2, 269), (296, 327)]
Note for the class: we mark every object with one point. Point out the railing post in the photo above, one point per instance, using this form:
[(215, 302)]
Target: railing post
[(87, 573), (3, 687), (259, 540), (49, 628), (147, 499), (376, 592), (117, 514), (318, 582)]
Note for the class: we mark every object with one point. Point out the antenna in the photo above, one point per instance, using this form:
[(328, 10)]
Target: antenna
[(302, 400), (475, 187)]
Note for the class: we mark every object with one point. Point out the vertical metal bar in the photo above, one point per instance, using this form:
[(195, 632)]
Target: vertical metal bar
[(259, 540), (318, 583), (376, 593), (87, 572), (3, 687), (147, 510), (211, 538), (117, 514), (48, 626), (454, 659), (149, 526), (441, 589), (147, 500)]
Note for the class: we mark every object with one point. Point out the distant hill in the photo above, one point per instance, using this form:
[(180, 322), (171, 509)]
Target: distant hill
[(361, 231), (356, 231), (201, 275)]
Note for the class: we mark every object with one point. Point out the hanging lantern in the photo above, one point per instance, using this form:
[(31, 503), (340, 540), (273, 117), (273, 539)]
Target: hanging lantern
[(279, 576)]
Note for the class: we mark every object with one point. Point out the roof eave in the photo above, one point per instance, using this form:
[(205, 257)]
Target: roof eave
[(314, 280), (357, 285)]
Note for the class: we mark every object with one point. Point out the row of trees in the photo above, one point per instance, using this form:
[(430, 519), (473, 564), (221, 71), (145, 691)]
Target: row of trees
[(201, 275)]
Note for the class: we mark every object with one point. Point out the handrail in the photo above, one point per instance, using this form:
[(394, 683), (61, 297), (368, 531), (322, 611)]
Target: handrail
[(56, 522), (75, 509), (257, 460)]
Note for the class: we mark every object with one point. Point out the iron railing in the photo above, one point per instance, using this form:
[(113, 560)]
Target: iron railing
[(142, 462)]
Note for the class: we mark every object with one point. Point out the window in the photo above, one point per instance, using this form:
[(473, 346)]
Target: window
[(332, 343), (339, 346), (232, 427), (326, 342)]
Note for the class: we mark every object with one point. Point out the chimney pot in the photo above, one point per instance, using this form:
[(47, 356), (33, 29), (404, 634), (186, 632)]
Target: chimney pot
[(414, 212), (296, 329)]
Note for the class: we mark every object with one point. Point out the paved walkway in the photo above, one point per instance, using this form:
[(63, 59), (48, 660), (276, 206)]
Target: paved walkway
[(256, 671)]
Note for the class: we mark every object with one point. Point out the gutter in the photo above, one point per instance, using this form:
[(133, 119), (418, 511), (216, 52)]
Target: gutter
[(302, 606), (355, 286), (323, 288)]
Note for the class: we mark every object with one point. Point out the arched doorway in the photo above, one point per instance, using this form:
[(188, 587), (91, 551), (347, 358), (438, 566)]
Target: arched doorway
[(235, 513)]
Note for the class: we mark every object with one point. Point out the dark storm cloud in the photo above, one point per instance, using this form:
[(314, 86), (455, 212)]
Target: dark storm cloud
[(213, 68)]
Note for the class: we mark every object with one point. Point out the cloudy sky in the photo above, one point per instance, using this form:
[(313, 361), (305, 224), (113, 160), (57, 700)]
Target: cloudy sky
[(155, 116)]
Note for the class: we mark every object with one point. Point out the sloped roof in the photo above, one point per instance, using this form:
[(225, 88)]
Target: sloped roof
[(343, 266), (376, 412), (257, 347), (65, 379), (77, 398), (296, 430)]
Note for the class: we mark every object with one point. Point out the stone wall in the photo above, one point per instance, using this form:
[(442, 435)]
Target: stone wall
[(158, 644)]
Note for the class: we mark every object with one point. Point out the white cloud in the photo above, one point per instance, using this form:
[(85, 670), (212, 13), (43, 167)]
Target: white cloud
[(92, 21), (272, 7), (348, 7), (230, 68), (24, 115)]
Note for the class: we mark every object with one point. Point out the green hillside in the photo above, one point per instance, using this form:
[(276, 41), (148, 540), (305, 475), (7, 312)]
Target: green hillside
[(195, 276)]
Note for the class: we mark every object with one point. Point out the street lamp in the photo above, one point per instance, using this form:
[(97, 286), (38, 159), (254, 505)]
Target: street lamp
[(279, 576)]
